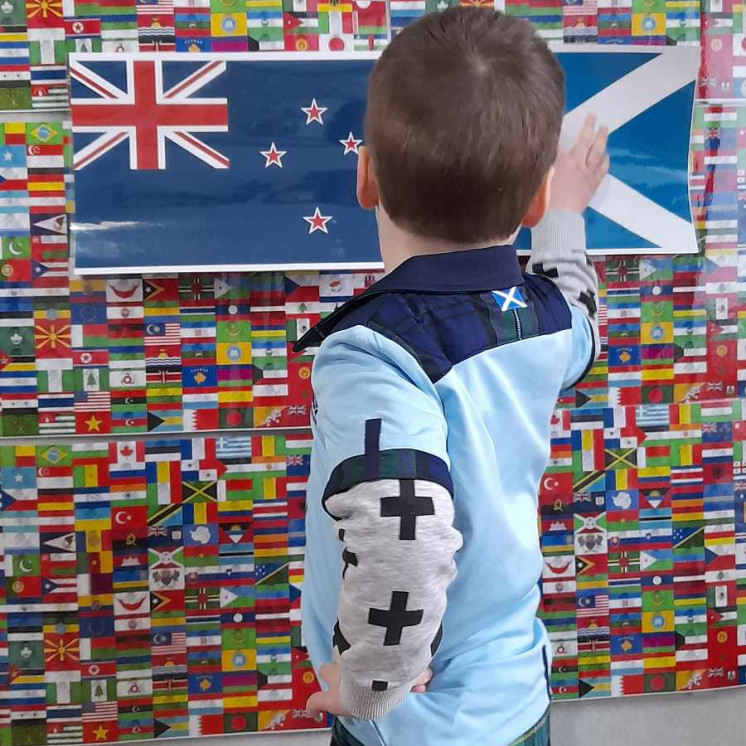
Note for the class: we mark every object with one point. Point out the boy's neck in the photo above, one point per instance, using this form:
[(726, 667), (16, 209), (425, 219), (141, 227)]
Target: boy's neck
[(398, 245)]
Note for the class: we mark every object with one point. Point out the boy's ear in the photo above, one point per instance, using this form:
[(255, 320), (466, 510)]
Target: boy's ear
[(540, 203), (367, 186)]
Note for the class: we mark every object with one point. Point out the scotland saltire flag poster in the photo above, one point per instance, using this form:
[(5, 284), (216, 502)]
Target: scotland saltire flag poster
[(227, 162)]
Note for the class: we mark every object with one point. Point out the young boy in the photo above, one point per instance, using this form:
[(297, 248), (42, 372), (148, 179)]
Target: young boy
[(435, 388)]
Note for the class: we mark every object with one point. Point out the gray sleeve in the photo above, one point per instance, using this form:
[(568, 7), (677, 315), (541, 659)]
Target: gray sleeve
[(558, 252), (399, 546)]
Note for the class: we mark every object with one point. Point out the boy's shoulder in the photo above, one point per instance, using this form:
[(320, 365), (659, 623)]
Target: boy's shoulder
[(441, 329)]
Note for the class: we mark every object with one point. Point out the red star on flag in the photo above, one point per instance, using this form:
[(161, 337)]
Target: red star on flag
[(314, 112), (273, 156), (350, 144), (317, 221)]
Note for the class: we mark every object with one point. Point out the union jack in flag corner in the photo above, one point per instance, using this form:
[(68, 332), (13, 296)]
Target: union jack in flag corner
[(146, 114)]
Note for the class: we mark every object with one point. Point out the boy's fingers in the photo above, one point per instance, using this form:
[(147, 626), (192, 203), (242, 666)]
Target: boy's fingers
[(328, 673), (317, 703), (597, 150), (601, 169), (585, 138), (419, 685), (423, 679), (604, 168)]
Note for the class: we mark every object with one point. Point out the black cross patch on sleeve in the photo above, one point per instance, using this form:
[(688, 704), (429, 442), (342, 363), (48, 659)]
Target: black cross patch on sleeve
[(588, 299), (540, 269), (338, 640), (435, 644), (407, 507), (396, 618), (350, 559)]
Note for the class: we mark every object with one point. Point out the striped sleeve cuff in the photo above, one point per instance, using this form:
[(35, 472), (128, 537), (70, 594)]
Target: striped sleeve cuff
[(365, 703), (559, 235)]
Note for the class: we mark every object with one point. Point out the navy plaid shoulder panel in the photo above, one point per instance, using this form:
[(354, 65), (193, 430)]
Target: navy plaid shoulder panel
[(441, 330)]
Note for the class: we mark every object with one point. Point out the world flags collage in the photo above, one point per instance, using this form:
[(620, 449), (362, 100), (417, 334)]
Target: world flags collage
[(151, 589), (151, 569), (37, 35)]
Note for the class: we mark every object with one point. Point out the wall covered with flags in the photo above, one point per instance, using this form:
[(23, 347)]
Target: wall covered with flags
[(151, 570)]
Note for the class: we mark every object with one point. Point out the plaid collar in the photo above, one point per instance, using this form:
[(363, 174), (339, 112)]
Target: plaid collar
[(471, 271)]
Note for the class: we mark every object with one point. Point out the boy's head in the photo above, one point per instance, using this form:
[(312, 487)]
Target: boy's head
[(462, 126)]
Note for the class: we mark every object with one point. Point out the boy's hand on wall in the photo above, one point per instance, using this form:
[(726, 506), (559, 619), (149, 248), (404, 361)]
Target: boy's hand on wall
[(579, 171)]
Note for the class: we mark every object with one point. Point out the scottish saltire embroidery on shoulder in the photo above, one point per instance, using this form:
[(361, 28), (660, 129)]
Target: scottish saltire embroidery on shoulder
[(509, 300)]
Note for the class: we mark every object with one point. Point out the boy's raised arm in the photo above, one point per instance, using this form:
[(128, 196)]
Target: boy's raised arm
[(558, 245)]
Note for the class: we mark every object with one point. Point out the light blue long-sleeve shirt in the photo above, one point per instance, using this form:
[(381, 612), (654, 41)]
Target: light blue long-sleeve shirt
[(434, 392)]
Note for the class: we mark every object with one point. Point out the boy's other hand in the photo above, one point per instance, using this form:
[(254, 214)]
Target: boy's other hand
[(329, 700), (578, 172)]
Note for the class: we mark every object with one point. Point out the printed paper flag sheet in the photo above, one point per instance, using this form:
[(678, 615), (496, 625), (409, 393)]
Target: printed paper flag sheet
[(243, 162)]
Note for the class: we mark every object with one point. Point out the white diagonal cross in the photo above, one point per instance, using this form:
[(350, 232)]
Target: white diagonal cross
[(508, 298), (618, 104)]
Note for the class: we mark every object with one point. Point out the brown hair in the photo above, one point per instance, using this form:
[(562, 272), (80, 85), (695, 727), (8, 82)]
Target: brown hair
[(463, 120)]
